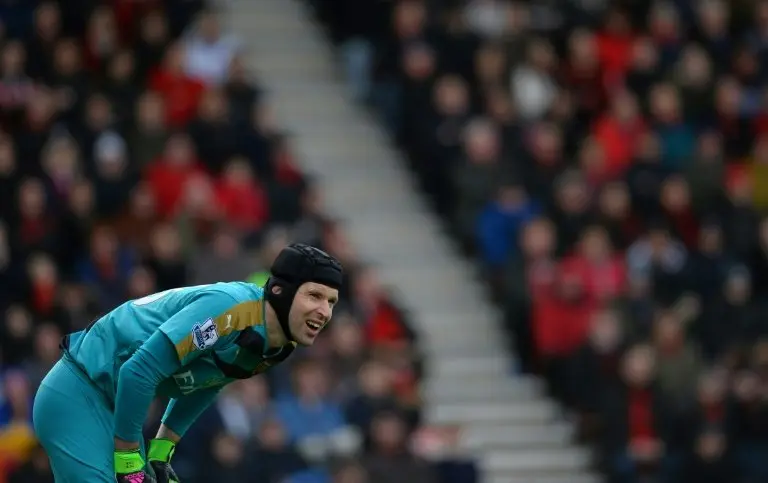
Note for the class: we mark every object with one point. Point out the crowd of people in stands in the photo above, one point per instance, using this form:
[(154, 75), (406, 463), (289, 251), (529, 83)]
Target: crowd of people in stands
[(137, 154), (607, 164)]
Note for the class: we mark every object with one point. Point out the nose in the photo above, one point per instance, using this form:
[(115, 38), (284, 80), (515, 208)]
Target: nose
[(324, 311)]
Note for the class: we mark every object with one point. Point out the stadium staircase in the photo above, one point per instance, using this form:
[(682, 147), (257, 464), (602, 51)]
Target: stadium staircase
[(512, 429)]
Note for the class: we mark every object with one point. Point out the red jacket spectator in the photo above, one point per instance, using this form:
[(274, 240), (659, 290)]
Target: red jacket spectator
[(560, 317), (169, 175), (614, 45), (601, 280), (384, 324), (619, 132), (565, 297), (383, 321), (182, 93), (242, 198), (601, 273)]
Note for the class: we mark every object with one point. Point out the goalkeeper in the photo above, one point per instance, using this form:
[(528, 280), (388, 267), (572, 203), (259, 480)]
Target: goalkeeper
[(185, 344)]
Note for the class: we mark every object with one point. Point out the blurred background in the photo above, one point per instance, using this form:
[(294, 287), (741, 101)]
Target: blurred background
[(551, 213)]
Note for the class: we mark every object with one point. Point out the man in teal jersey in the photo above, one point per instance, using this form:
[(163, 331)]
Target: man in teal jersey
[(185, 344)]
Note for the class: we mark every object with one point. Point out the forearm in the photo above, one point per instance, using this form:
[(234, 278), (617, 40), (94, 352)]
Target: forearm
[(135, 391), (181, 413), (138, 379)]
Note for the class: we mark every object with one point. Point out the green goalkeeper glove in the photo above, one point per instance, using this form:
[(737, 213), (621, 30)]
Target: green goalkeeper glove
[(159, 456), (129, 467)]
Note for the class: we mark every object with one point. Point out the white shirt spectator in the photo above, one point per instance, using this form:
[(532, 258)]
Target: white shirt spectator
[(640, 258), (487, 18), (209, 60), (533, 92)]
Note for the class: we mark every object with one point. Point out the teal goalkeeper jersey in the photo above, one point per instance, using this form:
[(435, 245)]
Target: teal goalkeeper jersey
[(184, 343)]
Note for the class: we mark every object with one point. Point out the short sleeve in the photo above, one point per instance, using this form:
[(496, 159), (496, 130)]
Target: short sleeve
[(200, 326)]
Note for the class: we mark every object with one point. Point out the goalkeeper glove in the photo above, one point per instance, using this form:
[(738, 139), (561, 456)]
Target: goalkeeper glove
[(129, 467), (159, 456)]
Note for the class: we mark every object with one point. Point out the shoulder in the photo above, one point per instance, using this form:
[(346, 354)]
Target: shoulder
[(245, 306), (223, 295), (239, 291)]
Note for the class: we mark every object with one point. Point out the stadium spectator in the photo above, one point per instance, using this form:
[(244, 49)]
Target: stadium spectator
[(208, 52), (308, 411), (389, 460)]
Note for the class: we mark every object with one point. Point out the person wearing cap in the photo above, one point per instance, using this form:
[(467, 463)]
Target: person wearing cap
[(185, 344)]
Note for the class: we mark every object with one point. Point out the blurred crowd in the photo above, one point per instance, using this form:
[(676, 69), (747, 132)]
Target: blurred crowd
[(137, 154), (607, 163)]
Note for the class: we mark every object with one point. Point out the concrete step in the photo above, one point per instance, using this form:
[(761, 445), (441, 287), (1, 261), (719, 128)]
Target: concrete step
[(429, 291), (563, 460), (386, 182), (468, 367), (512, 477), (469, 345), (452, 384), (457, 316), (500, 394), (518, 412), (398, 234), (498, 348), (516, 437)]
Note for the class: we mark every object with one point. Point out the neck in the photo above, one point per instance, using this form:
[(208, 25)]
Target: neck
[(275, 335)]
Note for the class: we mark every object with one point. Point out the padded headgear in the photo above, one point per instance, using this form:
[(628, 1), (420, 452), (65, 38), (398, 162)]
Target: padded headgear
[(295, 265)]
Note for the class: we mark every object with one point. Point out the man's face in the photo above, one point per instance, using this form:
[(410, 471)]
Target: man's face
[(311, 310)]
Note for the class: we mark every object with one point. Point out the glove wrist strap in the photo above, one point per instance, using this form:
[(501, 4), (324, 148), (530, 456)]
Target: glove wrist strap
[(161, 450), (127, 462)]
